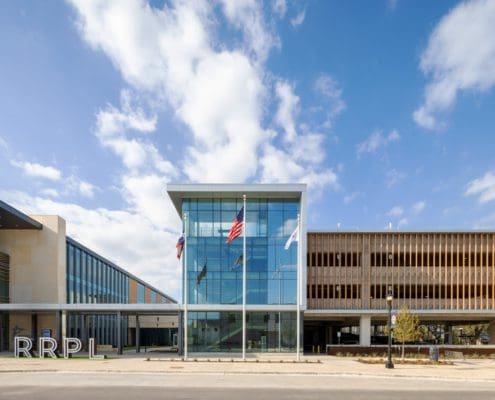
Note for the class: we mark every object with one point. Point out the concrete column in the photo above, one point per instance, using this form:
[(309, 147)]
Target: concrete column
[(328, 335), (58, 328), (491, 332), (63, 326), (180, 333), (34, 330), (365, 330), (450, 334), (119, 333), (138, 335), (84, 331)]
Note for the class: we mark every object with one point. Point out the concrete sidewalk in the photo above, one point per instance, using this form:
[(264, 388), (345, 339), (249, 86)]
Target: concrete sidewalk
[(462, 370)]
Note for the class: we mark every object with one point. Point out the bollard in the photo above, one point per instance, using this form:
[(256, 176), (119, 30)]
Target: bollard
[(434, 353)]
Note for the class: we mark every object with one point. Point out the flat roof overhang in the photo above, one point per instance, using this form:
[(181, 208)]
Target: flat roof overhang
[(430, 314), (162, 308), (178, 192), (11, 218), (400, 231), (142, 309)]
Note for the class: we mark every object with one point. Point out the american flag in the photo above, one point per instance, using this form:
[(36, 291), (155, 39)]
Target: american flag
[(237, 226), (180, 246)]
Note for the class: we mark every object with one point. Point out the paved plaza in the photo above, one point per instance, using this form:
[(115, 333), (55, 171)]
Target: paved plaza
[(468, 370)]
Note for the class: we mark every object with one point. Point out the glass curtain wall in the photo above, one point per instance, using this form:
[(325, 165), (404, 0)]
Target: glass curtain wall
[(91, 279), (214, 272), (222, 332)]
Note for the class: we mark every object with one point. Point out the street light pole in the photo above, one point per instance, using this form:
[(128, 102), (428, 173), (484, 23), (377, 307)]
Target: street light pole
[(390, 297)]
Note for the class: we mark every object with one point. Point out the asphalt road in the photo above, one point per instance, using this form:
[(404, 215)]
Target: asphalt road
[(151, 393), (106, 386)]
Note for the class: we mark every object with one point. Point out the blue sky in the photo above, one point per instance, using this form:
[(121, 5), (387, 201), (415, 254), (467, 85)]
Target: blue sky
[(385, 108)]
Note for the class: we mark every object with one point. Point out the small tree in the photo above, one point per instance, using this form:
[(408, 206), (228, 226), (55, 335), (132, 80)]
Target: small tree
[(406, 327)]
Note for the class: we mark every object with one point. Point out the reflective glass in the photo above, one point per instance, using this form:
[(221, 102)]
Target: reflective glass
[(222, 331), (214, 268)]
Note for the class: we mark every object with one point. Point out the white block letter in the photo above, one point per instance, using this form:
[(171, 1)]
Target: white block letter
[(18, 348), (71, 350), (50, 349), (92, 354)]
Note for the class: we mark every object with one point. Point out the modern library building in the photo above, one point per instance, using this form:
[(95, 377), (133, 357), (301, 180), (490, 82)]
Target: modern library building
[(254, 279), (51, 285), (261, 292), (243, 280)]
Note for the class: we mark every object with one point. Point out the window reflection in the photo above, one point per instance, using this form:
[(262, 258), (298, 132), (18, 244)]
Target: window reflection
[(271, 270)]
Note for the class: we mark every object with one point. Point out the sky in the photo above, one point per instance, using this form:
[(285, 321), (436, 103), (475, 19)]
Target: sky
[(385, 109)]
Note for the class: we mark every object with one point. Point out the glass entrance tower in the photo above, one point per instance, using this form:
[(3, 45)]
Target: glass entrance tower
[(245, 295)]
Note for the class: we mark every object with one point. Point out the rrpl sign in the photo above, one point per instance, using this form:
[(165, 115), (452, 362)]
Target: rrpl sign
[(48, 346)]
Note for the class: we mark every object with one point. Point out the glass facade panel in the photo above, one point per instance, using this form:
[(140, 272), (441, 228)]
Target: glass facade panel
[(93, 280), (222, 331), (215, 332), (215, 267), (140, 293)]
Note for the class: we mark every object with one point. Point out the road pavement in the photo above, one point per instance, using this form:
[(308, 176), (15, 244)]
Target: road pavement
[(266, 377), (73, 385)]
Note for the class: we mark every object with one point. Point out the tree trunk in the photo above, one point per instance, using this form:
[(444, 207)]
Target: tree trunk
[(403, 345)]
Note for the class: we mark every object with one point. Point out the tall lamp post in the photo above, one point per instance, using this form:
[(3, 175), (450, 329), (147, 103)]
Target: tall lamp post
[(390, 297)]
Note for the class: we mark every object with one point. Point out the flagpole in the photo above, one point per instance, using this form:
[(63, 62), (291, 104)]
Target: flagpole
[(298, 321), (186, 284), (244, 280)]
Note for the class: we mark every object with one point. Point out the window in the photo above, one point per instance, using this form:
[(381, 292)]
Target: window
[(140, 293)]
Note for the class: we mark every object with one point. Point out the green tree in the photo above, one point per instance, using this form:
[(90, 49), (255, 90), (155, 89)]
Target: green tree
[(406, 327)]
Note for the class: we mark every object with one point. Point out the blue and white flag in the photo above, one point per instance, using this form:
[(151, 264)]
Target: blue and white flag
[(293, 237)]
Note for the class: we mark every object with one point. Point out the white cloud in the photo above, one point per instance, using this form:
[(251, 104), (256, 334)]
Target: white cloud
[(483, 187), (113, 121), (393, 177), (50, 192), (298, 19), (287, 109), (219, 94), (172, 57), (299, 157), (351, 197), (402, 222), (330, 89), (3, 143), (113, 128), (37, 170), (396, 211), (247, 15), (280, 167), (375, 141), (280, 7), (460, 56), (418, 207), (128, 239), (69, 184), (77, 185)]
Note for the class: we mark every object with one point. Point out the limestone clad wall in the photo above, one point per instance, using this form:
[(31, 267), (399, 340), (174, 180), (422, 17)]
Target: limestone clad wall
[(37, 261)]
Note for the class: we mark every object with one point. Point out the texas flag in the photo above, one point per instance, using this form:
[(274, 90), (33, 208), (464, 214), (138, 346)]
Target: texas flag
[(180, 246)]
